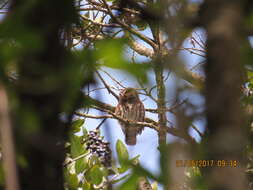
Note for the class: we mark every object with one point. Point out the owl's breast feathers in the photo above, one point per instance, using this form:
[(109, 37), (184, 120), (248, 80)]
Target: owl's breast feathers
[(131, 108)]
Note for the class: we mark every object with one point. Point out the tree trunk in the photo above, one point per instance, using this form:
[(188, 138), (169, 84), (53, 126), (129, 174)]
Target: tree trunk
[(41, 90), (226, 137)]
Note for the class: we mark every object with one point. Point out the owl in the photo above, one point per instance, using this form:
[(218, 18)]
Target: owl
[(131, 108)]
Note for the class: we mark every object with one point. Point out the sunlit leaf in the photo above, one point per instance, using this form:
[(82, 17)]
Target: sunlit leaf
[(95, 175), (120, 179), (93, 160), (130, 183), (123, 168), (81, 165), (135, 160), (76, 125), (111, 54), (76, 148), (110, 51), (123, 156), (139, 170), (122, 151), (85, 132), (86, 186)]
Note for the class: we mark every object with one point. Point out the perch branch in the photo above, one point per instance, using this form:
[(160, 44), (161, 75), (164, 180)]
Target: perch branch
[(148, 122)]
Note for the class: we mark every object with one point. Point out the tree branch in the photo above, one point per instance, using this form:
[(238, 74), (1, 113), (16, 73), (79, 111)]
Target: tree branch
[(148, 122), (127, 27), (141, 49), (8, 150), (106, 86), (161, 105)]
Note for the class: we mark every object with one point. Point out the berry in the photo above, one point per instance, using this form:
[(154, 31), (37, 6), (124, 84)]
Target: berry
[(98, 147)]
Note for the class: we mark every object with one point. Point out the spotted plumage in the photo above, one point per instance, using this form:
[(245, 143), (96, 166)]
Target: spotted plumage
[(131, 108)]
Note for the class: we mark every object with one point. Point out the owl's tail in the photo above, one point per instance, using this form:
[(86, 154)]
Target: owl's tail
[(130, 136)]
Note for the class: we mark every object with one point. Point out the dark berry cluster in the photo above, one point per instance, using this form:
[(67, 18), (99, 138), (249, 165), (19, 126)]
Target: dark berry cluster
[(97, 146)]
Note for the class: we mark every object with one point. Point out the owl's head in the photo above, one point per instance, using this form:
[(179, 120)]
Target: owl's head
[(129, 95)]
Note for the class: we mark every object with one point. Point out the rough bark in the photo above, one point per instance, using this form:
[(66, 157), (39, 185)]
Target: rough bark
[(225, 140)]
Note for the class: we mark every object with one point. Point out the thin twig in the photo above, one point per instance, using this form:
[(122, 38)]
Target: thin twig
[(202, 42), (196, 129), (93, 116), (75, 159), (197, 42), (197, 65), (106, 86), (100, 124), (113, 79), (166, 78), (148, 93), (194, 49), (192, 52)]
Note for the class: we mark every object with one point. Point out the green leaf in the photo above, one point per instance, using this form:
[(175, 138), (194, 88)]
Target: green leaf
[(120, 179), (76, 125), (123, 156), (93, 160), (76, 148), (131, 183), (124, 167), (112, 170), (122, 152), (111, 52), (140, 171), (86, 186), (135, 160), (81, 165), (72, 180), (85, 132), (95, 175)]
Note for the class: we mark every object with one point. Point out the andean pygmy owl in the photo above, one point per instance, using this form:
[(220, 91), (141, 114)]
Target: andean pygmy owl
[(131, 108)]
